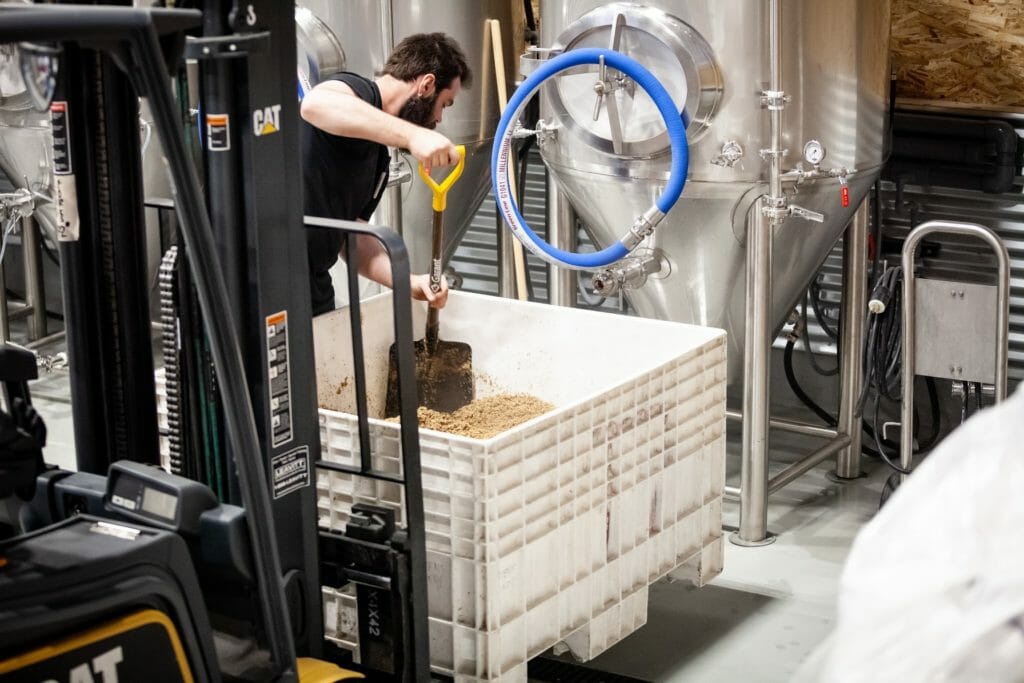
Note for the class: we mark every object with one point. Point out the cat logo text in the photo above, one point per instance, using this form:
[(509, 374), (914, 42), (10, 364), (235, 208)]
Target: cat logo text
[(266, 120)]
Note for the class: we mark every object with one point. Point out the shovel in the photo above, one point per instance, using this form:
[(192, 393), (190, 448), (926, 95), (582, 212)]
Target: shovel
[(444, 369)]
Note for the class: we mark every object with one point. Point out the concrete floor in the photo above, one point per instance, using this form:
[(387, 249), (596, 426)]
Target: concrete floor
[(758, 621)]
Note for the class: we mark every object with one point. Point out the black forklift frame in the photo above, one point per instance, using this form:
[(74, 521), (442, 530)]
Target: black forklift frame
[(131, 37), (416, 663), (248, 124)]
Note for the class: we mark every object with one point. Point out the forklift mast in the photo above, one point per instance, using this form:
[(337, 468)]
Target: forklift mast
[(250, 141), (253, 190), (247, 262)]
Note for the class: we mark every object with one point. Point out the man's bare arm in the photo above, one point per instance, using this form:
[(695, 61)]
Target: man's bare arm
[(333, 107), (375, 265)]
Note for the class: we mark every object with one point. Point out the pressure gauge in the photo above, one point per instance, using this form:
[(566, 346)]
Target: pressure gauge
[(814, 152)]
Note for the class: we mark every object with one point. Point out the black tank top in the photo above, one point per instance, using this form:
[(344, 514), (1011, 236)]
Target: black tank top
[(343, 178)]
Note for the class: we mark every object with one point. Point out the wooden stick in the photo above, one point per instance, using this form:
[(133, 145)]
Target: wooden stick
[(518, 256)]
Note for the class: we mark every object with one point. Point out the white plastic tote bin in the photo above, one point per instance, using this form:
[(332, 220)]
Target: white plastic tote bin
[(552, 531)]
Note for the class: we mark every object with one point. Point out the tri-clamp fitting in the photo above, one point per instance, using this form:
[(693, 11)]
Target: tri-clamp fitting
[(399, 172), (798, 175), (545, 132), (17, 204), (731, 152), (630, 273)]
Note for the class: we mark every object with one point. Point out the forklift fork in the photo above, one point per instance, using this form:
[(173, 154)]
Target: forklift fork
[(387, 565)]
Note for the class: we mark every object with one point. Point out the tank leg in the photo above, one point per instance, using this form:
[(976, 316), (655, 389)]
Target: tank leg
[(753, 528), (35, 296), (854, 308), (561, 234)]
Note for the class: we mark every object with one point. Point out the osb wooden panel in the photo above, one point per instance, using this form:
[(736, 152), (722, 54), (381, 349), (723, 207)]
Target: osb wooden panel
[(962, 51), (519, 26)]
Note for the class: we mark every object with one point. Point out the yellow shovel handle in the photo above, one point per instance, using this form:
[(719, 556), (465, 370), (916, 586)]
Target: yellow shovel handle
[(441, 191)]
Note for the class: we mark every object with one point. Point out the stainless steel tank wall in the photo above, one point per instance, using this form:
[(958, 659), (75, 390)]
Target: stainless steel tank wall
[(26, 147), (835, 69), (368, 29)]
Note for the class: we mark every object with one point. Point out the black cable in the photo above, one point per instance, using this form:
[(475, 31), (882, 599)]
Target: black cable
[(825, 372), (816, 306), (889, 488), (876, 201), (883, 365), (882, 370), (936, 422), (50, 252), (936, 416), (787, 362), (826, 417), (880, 446), (883, 342)]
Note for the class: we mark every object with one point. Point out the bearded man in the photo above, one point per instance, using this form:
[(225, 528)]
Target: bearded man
[(348, 124)]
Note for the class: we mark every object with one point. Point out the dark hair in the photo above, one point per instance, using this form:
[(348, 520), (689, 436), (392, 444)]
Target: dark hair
[(429, 53)]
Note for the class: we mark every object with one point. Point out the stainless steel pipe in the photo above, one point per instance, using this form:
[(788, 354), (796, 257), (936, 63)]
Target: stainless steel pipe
[(561, 235), (506, 259), (35, 296), (753, 529), (852, 329), (805, 464), (5, 320), (43, 341), (392, 204), (794, 471), (775, 110), (790, 426)]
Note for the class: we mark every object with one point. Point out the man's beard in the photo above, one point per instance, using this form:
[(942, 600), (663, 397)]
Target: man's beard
[(419, 110)]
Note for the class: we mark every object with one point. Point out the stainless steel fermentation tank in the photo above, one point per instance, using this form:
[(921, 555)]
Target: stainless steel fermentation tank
[(26, 149), (368, 30), (834, 71)]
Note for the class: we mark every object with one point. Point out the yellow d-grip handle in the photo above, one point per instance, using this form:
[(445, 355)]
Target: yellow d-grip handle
[(441, 191)]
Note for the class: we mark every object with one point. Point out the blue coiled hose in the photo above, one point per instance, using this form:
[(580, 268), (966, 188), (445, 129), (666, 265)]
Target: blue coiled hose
[(501, 152)]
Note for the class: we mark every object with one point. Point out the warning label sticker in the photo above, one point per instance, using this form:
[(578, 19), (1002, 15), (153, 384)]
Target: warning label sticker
[(218, 132), (279, 378), (290, 471), (61, 138)]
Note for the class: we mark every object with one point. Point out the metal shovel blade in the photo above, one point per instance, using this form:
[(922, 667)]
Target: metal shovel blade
[(444, 369), (444, 378)]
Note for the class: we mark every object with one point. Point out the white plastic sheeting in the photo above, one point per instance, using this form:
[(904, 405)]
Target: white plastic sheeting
[(933, 589)]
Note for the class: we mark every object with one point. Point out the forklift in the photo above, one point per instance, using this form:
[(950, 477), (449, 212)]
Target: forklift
[(212, 571)]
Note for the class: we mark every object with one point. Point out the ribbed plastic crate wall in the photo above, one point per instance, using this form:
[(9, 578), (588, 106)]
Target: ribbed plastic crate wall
[(552, 531)]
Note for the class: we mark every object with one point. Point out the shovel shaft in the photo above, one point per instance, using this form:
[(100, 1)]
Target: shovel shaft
[(431, 334), (433, 321), (436, 242)]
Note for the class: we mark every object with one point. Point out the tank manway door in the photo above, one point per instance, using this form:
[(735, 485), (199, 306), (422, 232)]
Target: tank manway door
[(605, 108)]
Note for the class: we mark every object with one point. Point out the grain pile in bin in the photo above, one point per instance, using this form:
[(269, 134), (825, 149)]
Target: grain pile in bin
[(484, 417)]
